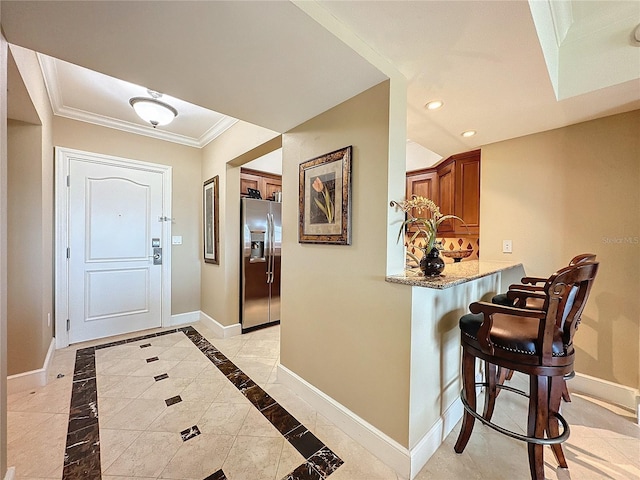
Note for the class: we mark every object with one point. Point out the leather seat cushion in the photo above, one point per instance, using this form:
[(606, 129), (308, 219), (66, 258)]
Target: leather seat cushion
[(512, 333), (501, 299)]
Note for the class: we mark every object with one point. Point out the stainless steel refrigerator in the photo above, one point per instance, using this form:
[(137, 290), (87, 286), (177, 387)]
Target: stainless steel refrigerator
[(261, 237)]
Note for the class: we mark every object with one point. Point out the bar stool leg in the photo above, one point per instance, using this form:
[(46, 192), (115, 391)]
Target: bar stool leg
[(556, 389), (490, 393), (469, 393), (537, 423)]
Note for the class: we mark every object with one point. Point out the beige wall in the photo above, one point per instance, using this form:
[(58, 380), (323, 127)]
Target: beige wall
[(220, 283), (25, 262), (3, 255), (30, 158), (344, 329), (187, 194), (569, 191)]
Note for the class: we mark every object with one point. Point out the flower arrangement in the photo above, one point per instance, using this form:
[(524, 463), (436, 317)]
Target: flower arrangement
[(426, 226), (325, 205)]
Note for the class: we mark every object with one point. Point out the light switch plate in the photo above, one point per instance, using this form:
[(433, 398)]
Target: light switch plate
[(507, 246), (176, 240)]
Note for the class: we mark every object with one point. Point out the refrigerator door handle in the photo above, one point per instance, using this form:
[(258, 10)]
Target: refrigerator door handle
[(273, 247), (267, 250), (270, 239)]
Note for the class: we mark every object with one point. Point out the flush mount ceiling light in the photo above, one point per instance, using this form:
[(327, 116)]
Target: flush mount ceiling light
[(152, 110), (468, 133), (434, 104)]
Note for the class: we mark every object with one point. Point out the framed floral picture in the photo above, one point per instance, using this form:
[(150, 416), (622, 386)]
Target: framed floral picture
[(325, 199), (210, 226)]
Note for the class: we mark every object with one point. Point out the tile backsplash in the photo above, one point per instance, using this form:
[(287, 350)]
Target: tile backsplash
[(448, 243)]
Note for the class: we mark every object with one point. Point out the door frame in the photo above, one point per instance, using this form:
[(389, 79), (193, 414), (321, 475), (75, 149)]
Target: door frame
[(61, 268)]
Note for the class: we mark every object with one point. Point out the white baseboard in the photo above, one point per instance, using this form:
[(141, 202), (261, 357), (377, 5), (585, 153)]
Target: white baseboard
[(33, 379), (614, 393), (184, 318), (427, 446), (406, 463), (220, 331), (378, 443), (11, 473)]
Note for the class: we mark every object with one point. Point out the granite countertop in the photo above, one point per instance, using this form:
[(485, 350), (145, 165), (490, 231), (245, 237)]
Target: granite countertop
[(453, 274)]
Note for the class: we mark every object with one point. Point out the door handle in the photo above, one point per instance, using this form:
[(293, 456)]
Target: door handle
[(157, 255)]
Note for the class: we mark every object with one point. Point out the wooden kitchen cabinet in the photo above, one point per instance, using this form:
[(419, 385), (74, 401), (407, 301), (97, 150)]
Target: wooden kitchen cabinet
[(446, 196), (267, 183), (467, 191), (454, 185), (424, 185)]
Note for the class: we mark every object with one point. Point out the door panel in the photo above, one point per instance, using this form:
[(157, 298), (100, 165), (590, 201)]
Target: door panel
[(130, 287), (254, 289), (114, 214), (446, 196), (248, 181), (117, 224), (274, 304), (271, 186), (468, 193)]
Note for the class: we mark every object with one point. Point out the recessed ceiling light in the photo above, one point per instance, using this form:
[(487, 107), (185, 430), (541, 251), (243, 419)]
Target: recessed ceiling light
[(434, 105), (468, 133)]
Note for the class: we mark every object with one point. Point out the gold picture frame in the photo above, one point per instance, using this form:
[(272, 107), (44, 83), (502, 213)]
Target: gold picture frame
[(325, 199), (210, 191)]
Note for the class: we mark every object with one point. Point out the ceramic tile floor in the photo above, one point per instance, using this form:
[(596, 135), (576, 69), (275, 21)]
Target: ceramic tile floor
[(140, 424)]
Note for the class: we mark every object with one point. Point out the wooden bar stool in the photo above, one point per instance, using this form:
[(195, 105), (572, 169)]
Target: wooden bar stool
[(530, 294), (536, 342)]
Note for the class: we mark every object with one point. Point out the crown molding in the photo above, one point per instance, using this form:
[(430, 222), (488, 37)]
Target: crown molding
[(50, 76), (562, 18), (109, 122), (52, 85), (216, 130)]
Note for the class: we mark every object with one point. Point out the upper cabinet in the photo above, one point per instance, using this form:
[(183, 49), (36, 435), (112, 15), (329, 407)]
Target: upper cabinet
[(467, 191), (423, 184), (267, 183), (454, 185)]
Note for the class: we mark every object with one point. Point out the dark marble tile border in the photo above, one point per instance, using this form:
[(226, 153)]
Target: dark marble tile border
[(82, 454), (320, 460), (219, 475), (82, 451)]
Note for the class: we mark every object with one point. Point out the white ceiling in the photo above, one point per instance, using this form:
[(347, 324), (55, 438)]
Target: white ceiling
[(496, 65), (82, 94)]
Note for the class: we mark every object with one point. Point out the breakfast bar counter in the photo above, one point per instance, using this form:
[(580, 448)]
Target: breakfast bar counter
[(453, 274), (437, 303)]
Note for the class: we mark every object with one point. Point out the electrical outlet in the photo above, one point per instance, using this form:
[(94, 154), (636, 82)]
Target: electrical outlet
[(48, 319), (507, 246), (176, 240)]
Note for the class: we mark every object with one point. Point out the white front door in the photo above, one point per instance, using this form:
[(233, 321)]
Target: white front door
[(115, 213)]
